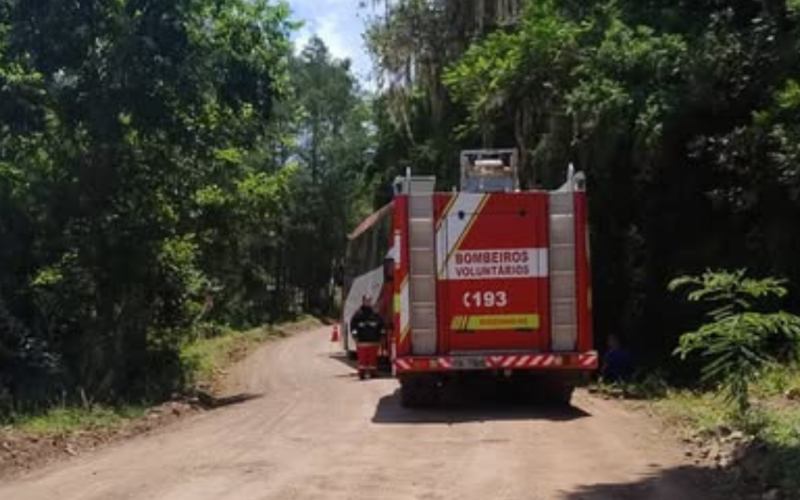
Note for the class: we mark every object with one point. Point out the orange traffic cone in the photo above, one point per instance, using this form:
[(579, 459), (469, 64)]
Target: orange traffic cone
[(335, 333)]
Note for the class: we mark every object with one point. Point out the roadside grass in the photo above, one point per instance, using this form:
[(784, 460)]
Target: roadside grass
[(697, 412), (775, 423), (67, 420), (648, 386), (778, 381), (203, 360), (774, 419)]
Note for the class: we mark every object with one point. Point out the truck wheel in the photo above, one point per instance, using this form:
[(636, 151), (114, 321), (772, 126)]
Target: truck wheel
[(418, 392), (554, 389), (559, 390), (563, 395)]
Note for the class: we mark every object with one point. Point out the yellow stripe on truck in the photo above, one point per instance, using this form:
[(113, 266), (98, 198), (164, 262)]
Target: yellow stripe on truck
[(405, 333), (446, 211), (404, 307), (496, 322), (504, 322)]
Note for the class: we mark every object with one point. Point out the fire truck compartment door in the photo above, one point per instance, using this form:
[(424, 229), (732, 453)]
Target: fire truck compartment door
[(493, 278)]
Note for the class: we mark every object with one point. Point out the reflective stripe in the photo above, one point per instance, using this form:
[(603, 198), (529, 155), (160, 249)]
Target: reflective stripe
[(396, 249), (495, 322), (451, 233), (504, 362), (588, 360), (405, 309)]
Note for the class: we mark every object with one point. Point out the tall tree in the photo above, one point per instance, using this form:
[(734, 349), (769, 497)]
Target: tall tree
[(121, 122), (333, 149)]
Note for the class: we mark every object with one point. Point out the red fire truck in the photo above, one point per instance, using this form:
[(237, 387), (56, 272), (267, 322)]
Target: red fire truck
[(486, 279)]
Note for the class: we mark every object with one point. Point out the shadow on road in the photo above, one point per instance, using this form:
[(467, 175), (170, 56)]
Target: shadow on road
[(462, 405), (385, 368), (680, 483), (212, 402), (344, 359)]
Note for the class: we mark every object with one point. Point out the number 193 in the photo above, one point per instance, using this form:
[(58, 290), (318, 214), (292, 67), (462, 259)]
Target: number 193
[(485, 299)]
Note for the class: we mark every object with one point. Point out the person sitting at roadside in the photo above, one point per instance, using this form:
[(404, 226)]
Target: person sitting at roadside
[(618, 361)]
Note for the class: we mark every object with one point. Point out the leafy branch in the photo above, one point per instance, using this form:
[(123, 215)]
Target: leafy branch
[(737, 343)]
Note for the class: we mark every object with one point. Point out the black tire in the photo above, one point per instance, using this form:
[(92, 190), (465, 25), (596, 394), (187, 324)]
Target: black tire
[(563, 395), (418, 392), (551, 389), (362, 374), (409, 397), (558, 390)]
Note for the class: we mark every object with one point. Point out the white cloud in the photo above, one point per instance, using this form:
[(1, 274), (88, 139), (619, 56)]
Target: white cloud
[(301, 38), (339, 24), (329, 28)]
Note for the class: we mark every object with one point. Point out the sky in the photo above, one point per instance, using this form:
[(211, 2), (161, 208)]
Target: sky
[(340, 24)]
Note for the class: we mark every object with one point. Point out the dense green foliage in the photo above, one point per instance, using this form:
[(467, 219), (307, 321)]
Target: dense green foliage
[(685, 116), (166, 168), (737, 342)]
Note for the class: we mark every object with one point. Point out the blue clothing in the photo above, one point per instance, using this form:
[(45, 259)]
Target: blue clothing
[(618, 365)]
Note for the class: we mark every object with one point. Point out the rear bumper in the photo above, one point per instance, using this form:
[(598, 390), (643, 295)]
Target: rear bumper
[(574, 361)]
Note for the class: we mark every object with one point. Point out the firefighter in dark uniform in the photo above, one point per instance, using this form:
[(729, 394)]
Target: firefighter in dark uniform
[(368, 329)]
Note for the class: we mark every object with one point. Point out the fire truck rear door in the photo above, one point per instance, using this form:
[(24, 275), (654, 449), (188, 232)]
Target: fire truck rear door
[(493, 273)]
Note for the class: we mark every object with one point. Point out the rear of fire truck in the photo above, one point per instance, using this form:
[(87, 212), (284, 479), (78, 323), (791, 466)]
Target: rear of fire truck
[(490, 280)]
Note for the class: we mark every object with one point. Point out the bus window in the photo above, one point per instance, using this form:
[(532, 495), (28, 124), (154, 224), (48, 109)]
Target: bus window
[(367, 251)]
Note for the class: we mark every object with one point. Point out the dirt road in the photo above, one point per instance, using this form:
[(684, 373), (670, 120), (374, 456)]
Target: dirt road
[(318, 433)]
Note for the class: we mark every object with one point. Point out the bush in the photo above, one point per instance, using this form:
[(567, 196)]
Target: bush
[(737, 344)]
